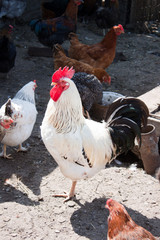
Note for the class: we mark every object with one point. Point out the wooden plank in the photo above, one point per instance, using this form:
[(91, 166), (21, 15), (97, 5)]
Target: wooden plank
[(151, 98)]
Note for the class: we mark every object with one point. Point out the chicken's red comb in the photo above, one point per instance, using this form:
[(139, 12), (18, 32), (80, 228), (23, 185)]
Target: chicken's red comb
[(108, 201), (61, 73), (10, 29), (121, 27)]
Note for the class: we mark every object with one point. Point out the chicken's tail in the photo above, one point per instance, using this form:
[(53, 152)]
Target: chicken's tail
[(33, 23), (58, 48), (73, 37), (125, 119)]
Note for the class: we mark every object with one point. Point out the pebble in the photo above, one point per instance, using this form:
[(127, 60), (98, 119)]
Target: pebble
[(61, 220), (7, 219), (71, 204), (14, 234)]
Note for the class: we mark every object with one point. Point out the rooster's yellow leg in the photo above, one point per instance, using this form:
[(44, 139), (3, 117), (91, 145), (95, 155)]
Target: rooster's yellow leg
[(21, 149), (71, 193), (3, 153)]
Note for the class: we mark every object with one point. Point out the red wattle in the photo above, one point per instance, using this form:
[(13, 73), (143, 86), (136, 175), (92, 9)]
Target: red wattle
[(7, 126), (56, 92)]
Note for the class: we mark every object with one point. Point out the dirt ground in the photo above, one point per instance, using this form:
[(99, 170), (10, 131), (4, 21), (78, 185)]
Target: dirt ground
[(27, 182)]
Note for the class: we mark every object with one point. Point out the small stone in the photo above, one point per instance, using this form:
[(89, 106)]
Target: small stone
[(71, 204), (14, 234), (61, 220), (7, 219)]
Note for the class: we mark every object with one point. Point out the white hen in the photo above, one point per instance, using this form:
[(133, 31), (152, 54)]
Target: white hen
[(80, 146), (23, 111)]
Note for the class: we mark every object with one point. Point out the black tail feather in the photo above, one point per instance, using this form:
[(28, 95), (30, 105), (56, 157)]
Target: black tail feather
[(8, 110), (125, 118), (129, 107), (123, 132)]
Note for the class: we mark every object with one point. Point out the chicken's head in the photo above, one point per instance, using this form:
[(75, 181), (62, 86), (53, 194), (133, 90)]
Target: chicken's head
[(117, 211), (78, 2), (6, 122), (118, 29), (59, 82), (109, 204), (102, 75)]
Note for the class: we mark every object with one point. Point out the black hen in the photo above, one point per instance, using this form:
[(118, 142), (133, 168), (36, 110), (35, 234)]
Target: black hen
[(107, 17), (53, 9), (7, 50)]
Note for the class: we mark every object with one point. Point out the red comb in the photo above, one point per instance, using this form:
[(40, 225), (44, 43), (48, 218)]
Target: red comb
[(61, 73), (108, 201), (34, 81), (121, 27), (109, 80)]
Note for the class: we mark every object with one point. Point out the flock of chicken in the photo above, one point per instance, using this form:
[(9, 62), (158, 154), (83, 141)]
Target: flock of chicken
[(80, 146)]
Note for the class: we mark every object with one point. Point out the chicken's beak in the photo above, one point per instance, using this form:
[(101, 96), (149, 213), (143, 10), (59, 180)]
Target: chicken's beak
[(53, 84)]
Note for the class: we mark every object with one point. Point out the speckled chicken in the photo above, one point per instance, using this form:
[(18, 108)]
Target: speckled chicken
[(89, 88)]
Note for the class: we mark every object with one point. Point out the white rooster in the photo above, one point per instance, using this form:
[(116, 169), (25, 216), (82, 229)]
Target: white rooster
[(23, 111), (82, 147)]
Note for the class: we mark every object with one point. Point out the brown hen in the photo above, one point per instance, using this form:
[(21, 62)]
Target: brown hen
[(99, 55), (61, 60), (121, 226)]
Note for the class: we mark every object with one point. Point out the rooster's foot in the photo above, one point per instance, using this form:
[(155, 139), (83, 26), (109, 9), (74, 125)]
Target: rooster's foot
[(21, 149), (71, 193), (67, 197)]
